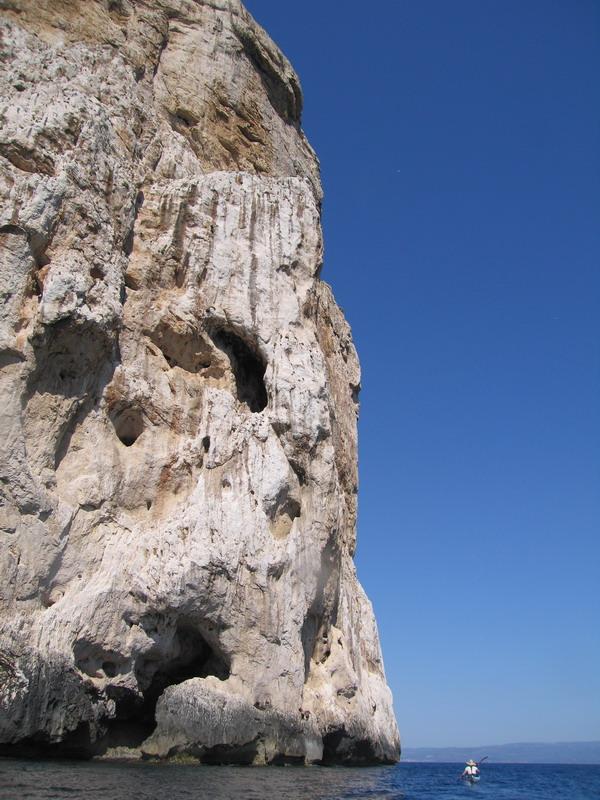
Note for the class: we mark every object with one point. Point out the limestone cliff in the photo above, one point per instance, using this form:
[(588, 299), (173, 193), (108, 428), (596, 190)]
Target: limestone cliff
[(179, 399)]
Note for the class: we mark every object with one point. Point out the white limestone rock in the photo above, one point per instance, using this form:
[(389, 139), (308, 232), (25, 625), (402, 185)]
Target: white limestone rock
[(179, 394)]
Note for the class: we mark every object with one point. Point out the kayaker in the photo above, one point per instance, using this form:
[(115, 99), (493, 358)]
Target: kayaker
[(471, 770)]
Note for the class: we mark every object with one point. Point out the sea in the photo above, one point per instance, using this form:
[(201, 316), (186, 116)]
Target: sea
[(70, 780)]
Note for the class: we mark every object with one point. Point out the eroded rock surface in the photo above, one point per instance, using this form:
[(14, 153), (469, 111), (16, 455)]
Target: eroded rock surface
[(179, 399)]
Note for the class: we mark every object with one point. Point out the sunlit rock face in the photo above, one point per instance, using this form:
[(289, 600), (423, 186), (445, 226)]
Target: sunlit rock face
[(179, 400)]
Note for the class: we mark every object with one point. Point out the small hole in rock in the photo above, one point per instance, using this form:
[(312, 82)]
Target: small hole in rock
[(148, 504), (184, 117), (96, 273), (109, 669), (130, 282), (299, 471), (128, 424), (182, 345), (248, 369), (206, 444)]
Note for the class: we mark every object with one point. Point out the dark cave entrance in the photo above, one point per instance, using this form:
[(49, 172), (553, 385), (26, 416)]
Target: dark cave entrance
[(135, 719), (128, 423), (248, 369), (340, 747)]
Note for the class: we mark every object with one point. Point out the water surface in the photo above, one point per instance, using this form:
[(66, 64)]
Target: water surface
[(62, 780)]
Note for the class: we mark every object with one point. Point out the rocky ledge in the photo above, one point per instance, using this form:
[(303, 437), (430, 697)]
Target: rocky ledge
[(179, 395)]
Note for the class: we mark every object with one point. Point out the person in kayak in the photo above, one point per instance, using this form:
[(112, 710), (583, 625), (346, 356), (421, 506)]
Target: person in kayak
[(471, 770)]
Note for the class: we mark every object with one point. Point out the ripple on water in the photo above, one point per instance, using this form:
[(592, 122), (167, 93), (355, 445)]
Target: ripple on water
[(60, 780)]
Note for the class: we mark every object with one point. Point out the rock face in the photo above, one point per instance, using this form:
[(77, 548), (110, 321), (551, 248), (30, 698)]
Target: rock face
[(179, 397)]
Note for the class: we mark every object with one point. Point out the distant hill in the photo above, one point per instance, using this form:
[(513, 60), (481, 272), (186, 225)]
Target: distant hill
[(518, 753)]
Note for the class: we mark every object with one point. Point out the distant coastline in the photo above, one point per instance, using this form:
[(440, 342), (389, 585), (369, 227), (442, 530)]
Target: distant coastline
[(515, 753)]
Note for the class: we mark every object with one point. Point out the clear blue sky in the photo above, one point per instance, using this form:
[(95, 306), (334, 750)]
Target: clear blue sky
[(460, 152)]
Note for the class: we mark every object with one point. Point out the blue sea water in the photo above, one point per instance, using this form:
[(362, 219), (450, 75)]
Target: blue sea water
[(60, 780)]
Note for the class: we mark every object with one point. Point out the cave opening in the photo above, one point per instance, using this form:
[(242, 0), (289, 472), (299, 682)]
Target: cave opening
[(248, 369), (182, 346), (191, 657), (341, 747), (71, 359), (128, 424)]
